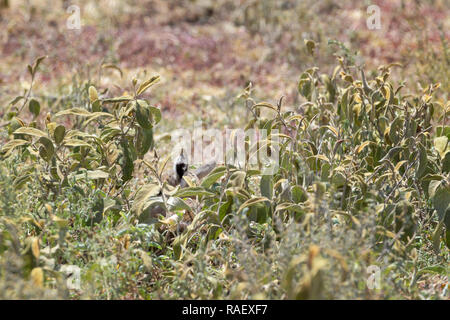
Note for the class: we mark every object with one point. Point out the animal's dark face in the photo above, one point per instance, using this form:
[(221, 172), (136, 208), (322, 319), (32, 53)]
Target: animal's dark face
[(181, 169)]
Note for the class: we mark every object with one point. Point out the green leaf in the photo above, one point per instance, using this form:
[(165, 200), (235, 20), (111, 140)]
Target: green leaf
[(443, 131), (299, 194), (362, 146), (175, 203), (144, 140), (423, 160), (59, 133), (265, 105), (48, 149), (97, 174), (156, 113), (395, 130), (442, 146), (430, 177), (96, 115), (147, 84), (118, 99), (252, 202), (21, 180), (143, 116), (305, 86), (30, 131), (213, 176), (319, 157), (16, 99), (338, 179), (76, 143), (109, 133), (176, 246), (192, 192), (436, 269), (237, 179), (441, 199), (34, 107), (74, 111), (113, 66), (446, 163), (10, 145), (126, 161), (144, 194), (290, 207), (391, 153), (37, 63), (436, 238), (266, 186), (96, 106)]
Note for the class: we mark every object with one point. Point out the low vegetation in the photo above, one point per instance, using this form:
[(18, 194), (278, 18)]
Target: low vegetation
[(358, 208)]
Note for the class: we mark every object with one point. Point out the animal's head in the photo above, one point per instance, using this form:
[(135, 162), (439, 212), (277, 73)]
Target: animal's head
[(180, 165)]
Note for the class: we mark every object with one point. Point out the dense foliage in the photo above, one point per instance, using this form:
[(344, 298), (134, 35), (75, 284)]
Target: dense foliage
[(363, 181)]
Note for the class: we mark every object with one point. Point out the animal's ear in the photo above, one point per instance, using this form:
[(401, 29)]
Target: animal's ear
[(183, 156)]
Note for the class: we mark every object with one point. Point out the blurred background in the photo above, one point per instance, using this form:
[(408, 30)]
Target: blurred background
[(207, 51)]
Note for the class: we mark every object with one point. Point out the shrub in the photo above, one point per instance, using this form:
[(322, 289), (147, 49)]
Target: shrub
[(363, 180)]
